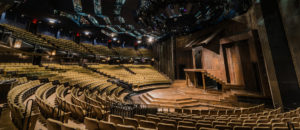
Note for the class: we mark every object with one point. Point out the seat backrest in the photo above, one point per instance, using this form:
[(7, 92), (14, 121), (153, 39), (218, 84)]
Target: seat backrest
[(142, 128), (249, 124), (280, 128), (165, 126), (116, 119), (147, 124), (186, 123), (250, 121), (125, 127), (261, 128), (214, 123), (53, 124), (104, 125), (197, 112), (264, 125), (187, 111), (232, 124), (91, 124), (168, 121), (180, 127), (154, 119), (199, 125), (205, 128), (262, 121), (279, 125), (204, 112), (131, 121), (242, 128), (223, 127), (68, 127), (140, 117)]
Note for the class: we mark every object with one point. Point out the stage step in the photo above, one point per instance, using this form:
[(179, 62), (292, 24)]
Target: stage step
[(144, 100)]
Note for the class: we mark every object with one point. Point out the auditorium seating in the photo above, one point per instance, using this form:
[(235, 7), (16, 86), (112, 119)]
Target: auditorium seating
[(17, 99), (89, 98), (26, 36), (69, 45), (142, 76), (66, 45), (99, 49)]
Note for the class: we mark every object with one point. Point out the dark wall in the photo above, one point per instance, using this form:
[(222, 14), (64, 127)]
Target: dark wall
[(163, 52)]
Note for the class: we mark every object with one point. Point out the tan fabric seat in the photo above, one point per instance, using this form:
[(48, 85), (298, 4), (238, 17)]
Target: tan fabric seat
[(168, 121), (223, 127), (205, 128), (164, 126), (249, 124), (232, 124), (279, 125), (53, 124), (242, 128), (131, 121), (116, 119), (139, 117), (91, 124), (199, 125), (124, 127), (214, 123), (142, 128), (186, 123), (280, 128), (185, 128), (154, 119), (68, 127), (261, 128), (147, 124), (104, 125)]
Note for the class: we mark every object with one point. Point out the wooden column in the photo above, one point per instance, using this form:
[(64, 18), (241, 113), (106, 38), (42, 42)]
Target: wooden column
[(203, 81), (194, 58)]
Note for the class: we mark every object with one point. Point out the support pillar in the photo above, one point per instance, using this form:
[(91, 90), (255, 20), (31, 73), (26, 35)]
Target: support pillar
[(280, 68)]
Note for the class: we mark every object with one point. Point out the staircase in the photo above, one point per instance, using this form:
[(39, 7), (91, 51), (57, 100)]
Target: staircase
[(216, 79), (146, 98)]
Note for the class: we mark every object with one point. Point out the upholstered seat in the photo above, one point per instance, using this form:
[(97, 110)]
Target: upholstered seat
[(91, 124)]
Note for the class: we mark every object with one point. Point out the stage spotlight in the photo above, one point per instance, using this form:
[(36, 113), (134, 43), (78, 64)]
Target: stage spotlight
[(51, 21), (113, 34), (115, 39), (150, 39), (139, 41), (87, 33)]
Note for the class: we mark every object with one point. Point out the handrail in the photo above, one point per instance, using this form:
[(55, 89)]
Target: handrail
[(24, 119)]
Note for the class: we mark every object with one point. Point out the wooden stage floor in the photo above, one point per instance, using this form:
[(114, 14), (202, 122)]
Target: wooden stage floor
[(178, 95)]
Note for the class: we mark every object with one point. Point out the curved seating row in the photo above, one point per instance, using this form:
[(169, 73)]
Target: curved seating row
[(26, 36), (145, 75), (47, 109), (16, 98)]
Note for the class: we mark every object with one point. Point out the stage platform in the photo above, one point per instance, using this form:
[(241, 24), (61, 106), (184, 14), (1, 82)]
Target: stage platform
[(178, 95)]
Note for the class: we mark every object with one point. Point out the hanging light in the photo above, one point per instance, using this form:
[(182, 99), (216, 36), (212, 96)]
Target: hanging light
[(150, 39)]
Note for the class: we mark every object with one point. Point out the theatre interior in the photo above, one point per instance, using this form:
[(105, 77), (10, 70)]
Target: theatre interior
[(149, 65)]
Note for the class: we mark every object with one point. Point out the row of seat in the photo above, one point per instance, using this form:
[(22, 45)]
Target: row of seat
[(142, 76), (236, 111), (16, 100), (94, 111), (66, 45), (69, 45), (57, 125), (26, 36), (47, 109)]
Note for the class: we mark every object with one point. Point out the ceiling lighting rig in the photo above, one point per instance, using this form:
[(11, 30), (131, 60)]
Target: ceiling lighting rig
[(184, 16)]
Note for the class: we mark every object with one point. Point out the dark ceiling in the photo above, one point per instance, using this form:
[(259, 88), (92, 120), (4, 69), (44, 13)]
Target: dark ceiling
[(137, 18)]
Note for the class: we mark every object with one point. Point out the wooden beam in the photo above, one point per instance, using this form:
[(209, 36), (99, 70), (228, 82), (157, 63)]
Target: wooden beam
[(235, 38)]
